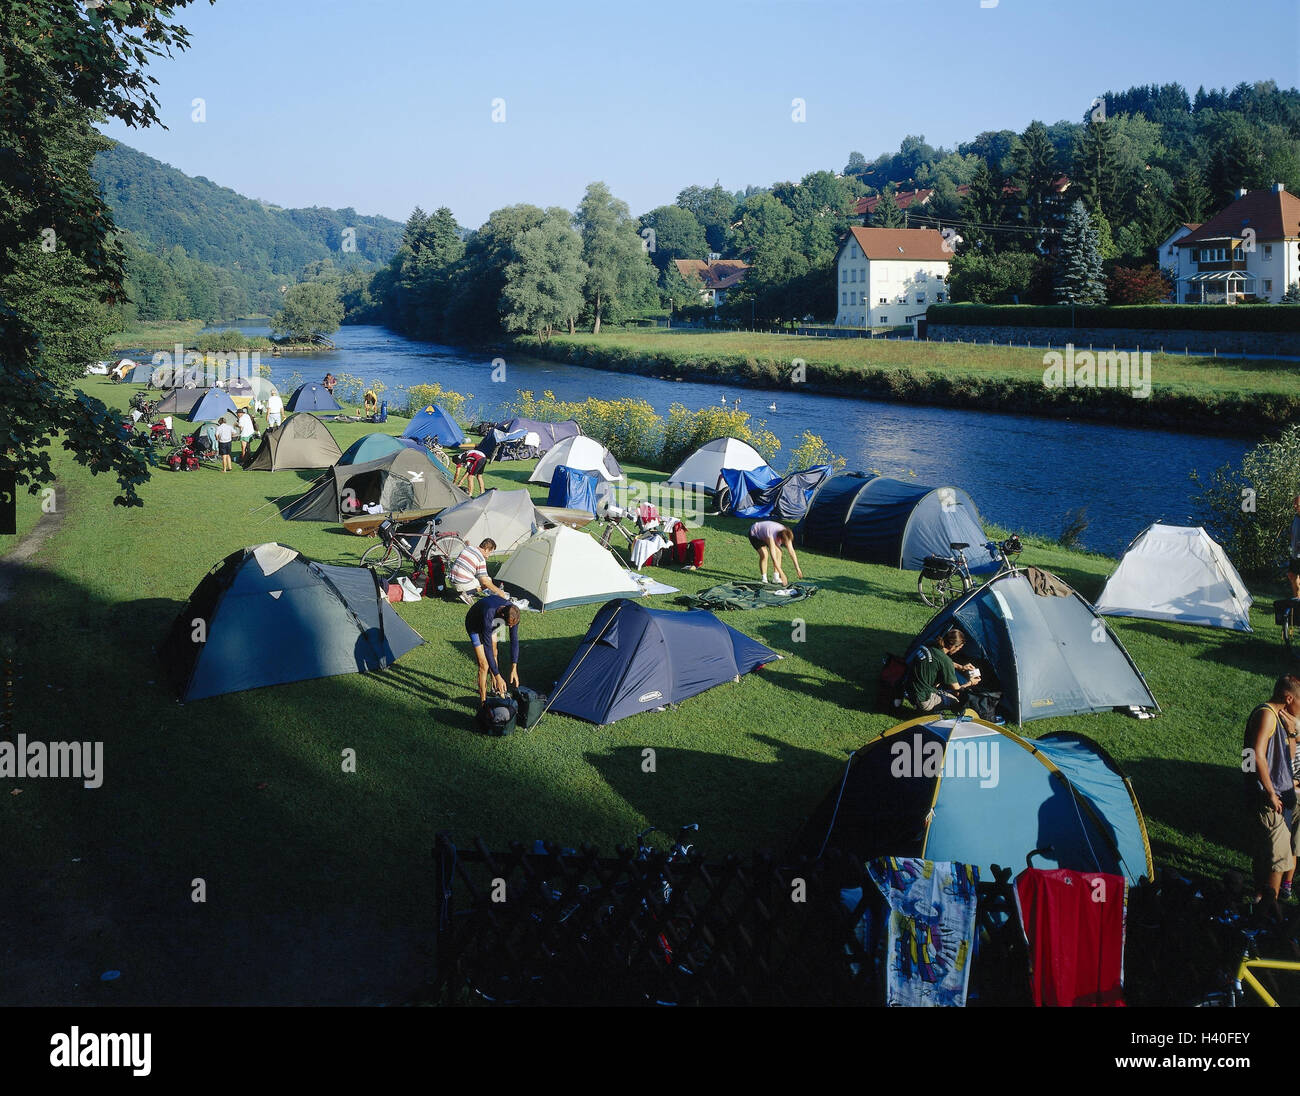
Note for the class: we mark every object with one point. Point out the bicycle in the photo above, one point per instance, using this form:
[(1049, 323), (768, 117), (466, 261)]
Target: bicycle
[(398, 547), (1285, 613), (1234, 991), (943, 578)]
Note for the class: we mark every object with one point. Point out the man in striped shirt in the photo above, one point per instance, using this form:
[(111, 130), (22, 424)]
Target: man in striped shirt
[(469, 574)]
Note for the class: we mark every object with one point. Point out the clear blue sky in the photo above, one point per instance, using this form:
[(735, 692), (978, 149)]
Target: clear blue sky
[(386, 104)]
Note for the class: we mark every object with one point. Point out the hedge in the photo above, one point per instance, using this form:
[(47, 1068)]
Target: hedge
[(1150, 317)]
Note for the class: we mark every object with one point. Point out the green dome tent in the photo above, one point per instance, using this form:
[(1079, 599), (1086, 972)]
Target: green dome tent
[(301, 441), (406, 480)]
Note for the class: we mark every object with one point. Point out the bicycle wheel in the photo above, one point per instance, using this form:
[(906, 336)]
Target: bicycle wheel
[(935, 592), (1288, 631), (383, 558)]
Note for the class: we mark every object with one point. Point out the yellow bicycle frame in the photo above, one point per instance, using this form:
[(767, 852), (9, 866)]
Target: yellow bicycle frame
[(1245, 977)]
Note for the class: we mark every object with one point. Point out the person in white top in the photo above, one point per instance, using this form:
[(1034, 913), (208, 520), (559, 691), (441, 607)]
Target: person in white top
[(246, 432), (274, 409), (225, 435)]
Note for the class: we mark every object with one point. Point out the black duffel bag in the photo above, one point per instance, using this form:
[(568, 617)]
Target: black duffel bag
[(498, 716)]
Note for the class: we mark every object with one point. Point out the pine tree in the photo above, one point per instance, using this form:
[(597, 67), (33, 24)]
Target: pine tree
[(887, 214), (1034, 157), (1078, 264), (1292, 294)]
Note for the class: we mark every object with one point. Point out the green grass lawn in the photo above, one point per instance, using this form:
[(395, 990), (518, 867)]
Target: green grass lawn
[(1197, 374), (157, 334), (319, 885)]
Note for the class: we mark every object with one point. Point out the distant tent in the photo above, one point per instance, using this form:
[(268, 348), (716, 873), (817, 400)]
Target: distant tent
[(547, 434), (634, 659), (122, 369), (271, 615), (559, 567), (181, 401), (1177, 573), (1048, 653), (581, 452), (965, 790), (401, 481), (262, 388), (301, 441), (703, 468), (239, 391), (881, 520), (434, 422), (508, 518), (212, 406), (312, 397), (763, 493), (141, 374), (574, 489)]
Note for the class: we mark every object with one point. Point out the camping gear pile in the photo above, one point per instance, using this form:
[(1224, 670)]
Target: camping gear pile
[(749, 595), (524, 439)]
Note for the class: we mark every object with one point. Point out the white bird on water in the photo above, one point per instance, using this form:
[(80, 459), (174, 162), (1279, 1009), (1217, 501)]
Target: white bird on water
[(771, 406), (722, 399)]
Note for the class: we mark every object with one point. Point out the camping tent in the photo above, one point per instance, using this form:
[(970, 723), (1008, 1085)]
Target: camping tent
[(546, 433), (506, 517), (239, 390), (965, 790), (140, 374), (312, 397), (881, 520), (299, 442), (559, 567), (373, 446), (762, 493), (181, 401), (261, 388), (635, 659), (397, 482), (212, 406), (270, 615), (581, 452), (434, 422), (702, 469), (575, 489), (122, 369), (1178, 573), (1043, 646)]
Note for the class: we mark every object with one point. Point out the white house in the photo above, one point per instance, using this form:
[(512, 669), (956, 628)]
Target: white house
[(1167, 253), (1250, 248), (717, 276), (889, 276)]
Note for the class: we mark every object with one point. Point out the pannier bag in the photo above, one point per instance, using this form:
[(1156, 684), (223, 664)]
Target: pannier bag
[(936, 567), (531, 706), (498, 716)]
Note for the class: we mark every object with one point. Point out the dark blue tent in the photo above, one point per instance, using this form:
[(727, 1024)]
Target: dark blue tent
[(635, 659), (212, 406), (764, 493), (270, 615), (881, 520), (574, 489), (434, 422), (312, 397)]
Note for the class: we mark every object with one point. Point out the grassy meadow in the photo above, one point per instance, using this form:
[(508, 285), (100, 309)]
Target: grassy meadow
[(318, 882)]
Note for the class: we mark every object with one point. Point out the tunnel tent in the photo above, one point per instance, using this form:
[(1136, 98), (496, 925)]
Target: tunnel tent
[(212, 406), (508, 518), (763, 493), (398, 482), (636, 659), (313, 398), (1179, 574), (301, 441), (271, 615), (969, 791), (434, 422), (560, 567), (703, 468), (1046, 648), (239, 391), (580, 452), (877, 519)]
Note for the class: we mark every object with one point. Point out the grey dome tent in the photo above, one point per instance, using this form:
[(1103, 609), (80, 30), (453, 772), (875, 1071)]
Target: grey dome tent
[(270, 615), (881, 520), (312, 397), (301, 441), (508, 518), (1043, 646), (181, 401), (400, 481)]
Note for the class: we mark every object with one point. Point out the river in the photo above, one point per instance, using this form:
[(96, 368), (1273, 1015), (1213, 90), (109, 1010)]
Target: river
[(1025, 473)]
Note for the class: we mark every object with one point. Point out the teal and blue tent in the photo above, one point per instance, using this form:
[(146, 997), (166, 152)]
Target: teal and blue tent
[(574, 489), (434, 422), (212, 406), (1042, 646), (965, 790), (881, 520), (312, 398), (635, 659), (765, 493), (371, 447), (270, 615)]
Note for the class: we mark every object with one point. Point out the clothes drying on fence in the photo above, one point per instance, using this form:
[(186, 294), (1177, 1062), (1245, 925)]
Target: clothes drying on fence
[(646, 547), (750, 595), (931, 929), (1074, 925)]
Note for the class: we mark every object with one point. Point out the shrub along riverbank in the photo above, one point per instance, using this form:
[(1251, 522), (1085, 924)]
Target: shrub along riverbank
[(1210, 395)]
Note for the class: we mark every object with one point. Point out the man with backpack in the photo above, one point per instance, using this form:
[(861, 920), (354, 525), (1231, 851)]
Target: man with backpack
[(931, 681)]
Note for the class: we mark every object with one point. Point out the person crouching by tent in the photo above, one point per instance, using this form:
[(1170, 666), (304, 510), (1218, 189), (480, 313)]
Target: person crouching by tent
[(246, 432), (225, 435), (469, 574), (370, 404), (484, 623), (471, 467), (931, 680), (1267, 749), (768, 538)]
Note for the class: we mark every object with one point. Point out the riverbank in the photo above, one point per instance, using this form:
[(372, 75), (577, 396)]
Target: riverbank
[(151, 337), (1202, 394)]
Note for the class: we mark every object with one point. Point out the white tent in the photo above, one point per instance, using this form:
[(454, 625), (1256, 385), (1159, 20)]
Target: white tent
[(1177, 573), (703, 468), (561, 566), (506, 517), (580, 452)]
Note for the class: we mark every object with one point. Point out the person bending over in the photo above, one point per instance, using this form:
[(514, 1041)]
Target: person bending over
[(768, 538), (483, 624), (469, 574)]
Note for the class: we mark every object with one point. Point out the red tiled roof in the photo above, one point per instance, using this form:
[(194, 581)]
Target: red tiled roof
[(901, 243), (1274, 215), (902, 198), (720, 274)]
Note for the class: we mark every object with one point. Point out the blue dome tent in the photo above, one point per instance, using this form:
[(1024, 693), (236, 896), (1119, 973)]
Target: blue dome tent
[(434, 422), (312, 397), (881, 520), (635, 659), (214, 404)]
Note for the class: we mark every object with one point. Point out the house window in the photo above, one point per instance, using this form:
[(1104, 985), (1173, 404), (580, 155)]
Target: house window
[(1268, 251), (844, 274), (1268, 285), (864, 299), (884, 300), (884, 319), (920, 298), (853, 275), (939, 298)]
